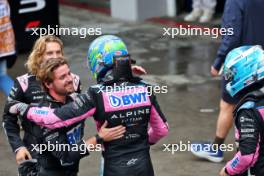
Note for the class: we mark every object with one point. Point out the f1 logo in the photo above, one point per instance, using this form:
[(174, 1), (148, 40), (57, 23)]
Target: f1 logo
[(39, 4)]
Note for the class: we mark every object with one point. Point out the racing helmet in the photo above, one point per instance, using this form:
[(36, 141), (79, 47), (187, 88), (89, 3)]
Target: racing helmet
[(102, 53), (243, 67)]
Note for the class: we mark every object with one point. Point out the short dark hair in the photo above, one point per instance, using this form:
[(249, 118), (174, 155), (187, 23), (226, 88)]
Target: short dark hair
[(45, 74)]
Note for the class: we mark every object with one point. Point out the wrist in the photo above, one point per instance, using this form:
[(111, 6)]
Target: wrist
[(217, 63), (19, 148), (226, 172), (90, 143), (99, 139)]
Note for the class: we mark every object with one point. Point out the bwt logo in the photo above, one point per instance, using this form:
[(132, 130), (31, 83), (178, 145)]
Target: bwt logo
[(125, 100), (235, 162), (38, 5), (41, 112)]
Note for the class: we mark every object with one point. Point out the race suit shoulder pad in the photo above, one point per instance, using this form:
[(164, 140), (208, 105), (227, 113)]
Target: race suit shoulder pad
[(248, 101), (244, 106), (23, 81), (247, 105)]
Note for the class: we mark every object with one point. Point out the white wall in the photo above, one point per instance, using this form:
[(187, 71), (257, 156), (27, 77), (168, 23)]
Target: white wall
[(139, 10)]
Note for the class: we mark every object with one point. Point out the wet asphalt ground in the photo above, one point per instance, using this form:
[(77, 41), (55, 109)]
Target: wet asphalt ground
[(181, 63)]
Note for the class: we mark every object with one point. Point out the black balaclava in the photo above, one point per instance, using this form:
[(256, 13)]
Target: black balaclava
[(120, 71)]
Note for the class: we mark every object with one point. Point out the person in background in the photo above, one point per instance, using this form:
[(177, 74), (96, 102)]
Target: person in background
[(202, 10), (243, 71), (245, 18), (7, 47)]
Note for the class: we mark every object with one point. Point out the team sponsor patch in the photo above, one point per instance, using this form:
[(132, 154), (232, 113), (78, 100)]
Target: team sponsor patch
[(126, 100), (40, 112), (118, 100), (235, 162), (247, 130)]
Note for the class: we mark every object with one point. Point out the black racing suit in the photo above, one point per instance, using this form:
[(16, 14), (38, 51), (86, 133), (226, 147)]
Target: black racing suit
[(58, 161), (249, 122), (28, 90), (126, 103)]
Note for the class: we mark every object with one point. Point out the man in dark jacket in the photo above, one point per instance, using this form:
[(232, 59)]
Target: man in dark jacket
[(245, 17), (28, 89)]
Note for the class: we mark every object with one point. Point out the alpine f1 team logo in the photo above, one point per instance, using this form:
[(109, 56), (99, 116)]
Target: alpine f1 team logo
[(126, 100)]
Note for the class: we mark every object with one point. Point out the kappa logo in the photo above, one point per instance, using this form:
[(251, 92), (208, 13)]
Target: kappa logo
[(41, 112), (126, 100), (132, 162)]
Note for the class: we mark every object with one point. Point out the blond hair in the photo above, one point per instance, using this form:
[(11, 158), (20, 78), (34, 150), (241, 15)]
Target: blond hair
[(36, 56), (45, 73)]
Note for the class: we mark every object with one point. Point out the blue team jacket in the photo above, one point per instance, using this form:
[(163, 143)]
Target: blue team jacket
[(246, 17)]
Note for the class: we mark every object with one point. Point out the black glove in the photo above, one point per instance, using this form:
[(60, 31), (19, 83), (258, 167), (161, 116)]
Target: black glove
[(28, 168)]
